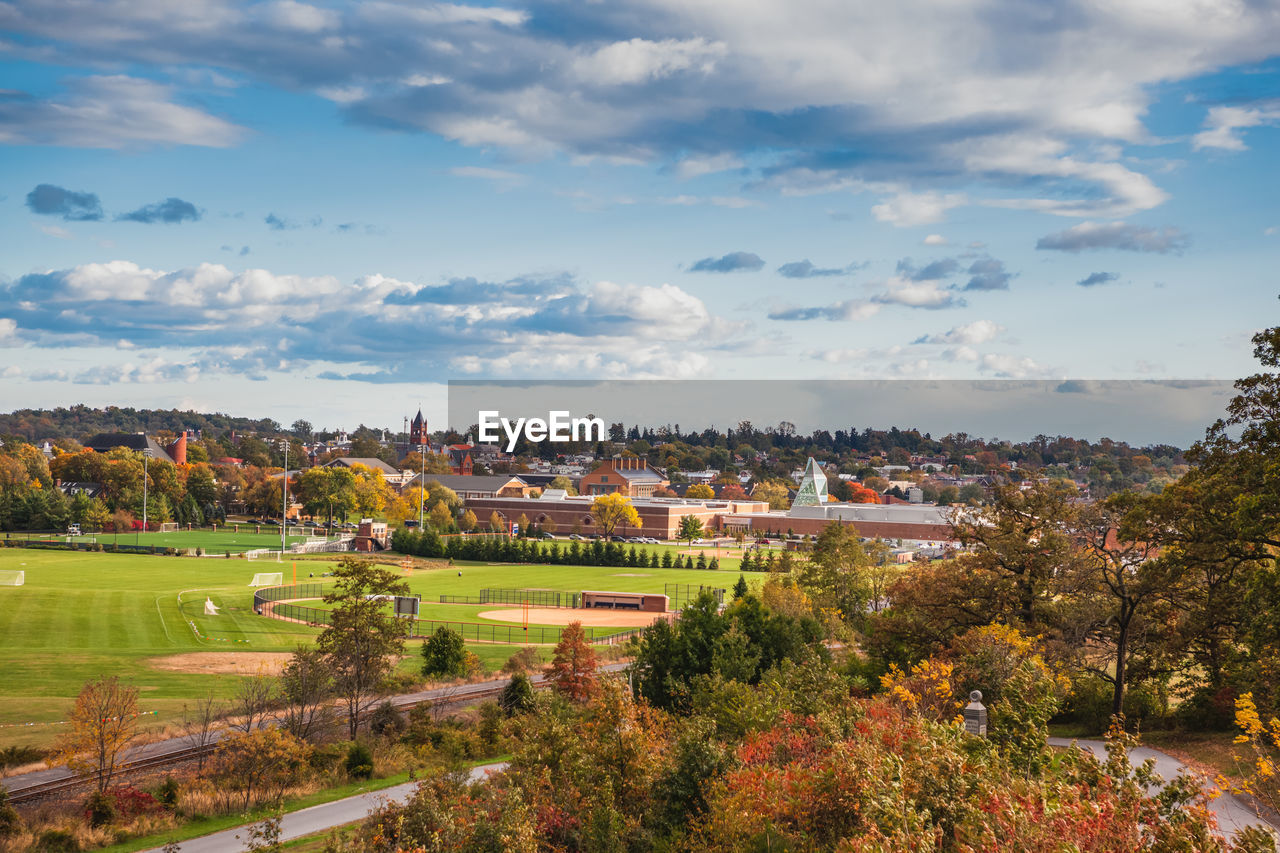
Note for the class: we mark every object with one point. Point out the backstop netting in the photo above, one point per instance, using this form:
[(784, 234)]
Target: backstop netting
[(679, 595), (267, 579), (12, 578), (535, 597)]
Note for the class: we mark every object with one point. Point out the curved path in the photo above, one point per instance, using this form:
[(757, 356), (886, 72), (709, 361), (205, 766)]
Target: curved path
[(316, 818), (1232, 812)]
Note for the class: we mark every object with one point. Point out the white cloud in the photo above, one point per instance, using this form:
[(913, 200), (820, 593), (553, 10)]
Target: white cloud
[(1222, 124), (291, 15), (916, 294), (1006, 366), (639, 60), (501, 177), (342, 94), (970, 334), (907, 209), (934, 240), (693, 167), (112, 112)]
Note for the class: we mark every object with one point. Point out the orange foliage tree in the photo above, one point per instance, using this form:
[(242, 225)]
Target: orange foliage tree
[(572, 671)]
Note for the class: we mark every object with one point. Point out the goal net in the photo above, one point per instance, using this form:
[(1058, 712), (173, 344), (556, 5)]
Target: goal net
[(267, 579), (169, 527), (11, 578)]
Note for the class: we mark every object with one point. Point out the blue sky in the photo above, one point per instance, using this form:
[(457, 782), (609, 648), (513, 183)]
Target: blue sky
[(327, 210)]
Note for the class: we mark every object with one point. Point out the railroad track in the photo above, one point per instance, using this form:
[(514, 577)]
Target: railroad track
[(43, 790)]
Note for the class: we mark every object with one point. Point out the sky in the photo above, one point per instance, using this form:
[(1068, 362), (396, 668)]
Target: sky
[(327, 211)]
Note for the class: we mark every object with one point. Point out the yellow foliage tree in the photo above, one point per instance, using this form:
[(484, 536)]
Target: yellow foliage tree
[(103, 723), (613, 510)]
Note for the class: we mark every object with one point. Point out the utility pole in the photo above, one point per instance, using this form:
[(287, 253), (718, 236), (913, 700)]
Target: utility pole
[(284, 498)]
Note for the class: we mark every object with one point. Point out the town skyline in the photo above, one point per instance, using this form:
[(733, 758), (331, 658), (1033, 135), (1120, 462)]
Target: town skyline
[(240, 204)]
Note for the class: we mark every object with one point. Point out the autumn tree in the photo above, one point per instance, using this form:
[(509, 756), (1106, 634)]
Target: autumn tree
[(774, 493), (326, 489), (701, 492), (835, 576), (307, 688), (468, 522), (613, 510), (102, 724), (572, 670), (261, 765), (362, 641)]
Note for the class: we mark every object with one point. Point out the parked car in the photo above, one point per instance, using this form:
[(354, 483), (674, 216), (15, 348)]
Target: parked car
[(648, 540), (545, 535), (577, 537)]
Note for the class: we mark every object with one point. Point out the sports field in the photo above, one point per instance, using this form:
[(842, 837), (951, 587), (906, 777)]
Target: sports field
[(81, 615), (213, 542)]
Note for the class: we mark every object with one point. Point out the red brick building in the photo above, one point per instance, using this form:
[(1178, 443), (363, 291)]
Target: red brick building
[(629, 476)]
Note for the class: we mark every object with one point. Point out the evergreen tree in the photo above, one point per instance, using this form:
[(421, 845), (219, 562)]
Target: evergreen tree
[(740, 588)]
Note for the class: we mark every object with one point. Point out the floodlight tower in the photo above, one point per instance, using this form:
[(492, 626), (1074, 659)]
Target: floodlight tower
[(284, 498), (146, 454)]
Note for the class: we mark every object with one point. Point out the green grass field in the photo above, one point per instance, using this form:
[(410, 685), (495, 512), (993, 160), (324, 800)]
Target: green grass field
[(82, 615), (212, 542)]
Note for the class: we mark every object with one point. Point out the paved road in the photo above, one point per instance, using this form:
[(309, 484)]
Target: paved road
[(317, 818), (1232, 813)]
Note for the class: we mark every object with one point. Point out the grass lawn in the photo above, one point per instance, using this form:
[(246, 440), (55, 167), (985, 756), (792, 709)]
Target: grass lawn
[(83, 615), (213, 542)]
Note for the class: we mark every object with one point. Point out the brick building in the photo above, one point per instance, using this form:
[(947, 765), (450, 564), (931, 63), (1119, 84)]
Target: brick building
[(627, 475), (659, 517)]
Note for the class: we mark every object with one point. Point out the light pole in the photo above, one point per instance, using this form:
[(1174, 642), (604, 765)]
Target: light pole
[(422, 486), (146, 454), (284, 498)]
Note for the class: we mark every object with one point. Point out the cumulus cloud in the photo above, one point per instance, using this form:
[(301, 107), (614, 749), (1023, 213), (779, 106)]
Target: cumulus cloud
[(908, 209), (1097, 278), (256, 321), (1222, 125), (51, 200), (917, 294), (170, 211), (806, 269), (732, 262), (970, 334), (1007, 366), (1116, 235), (988, 274), (934, 240), (114, 111), (639, 60)]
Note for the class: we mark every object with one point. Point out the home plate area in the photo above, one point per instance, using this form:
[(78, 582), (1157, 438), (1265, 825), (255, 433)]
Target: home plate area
[(595, 618)]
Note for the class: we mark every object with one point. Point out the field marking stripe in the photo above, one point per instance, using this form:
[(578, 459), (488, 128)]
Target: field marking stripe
[(163, 624)]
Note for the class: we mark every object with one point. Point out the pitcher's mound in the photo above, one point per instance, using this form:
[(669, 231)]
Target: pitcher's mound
[(564, 615)]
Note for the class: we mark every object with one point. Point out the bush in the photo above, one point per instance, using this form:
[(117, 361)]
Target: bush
[(522, 661), (1209, 711), (57, 841), (10, 820), (517, 696), (100, 809), (386, 720), (359, 761), (443, 654), (167, 793)]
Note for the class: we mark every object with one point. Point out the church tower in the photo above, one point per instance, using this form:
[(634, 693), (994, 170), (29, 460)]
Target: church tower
[(418, 430)]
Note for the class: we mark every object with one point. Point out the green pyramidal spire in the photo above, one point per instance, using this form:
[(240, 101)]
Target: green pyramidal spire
[(813, 487)]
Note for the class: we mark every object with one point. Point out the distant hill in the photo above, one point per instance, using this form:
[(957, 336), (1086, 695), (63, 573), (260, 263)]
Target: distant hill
[(81, 422)]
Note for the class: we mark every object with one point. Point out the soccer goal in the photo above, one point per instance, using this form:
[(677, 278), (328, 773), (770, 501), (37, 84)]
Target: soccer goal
[(169, 527), (11, 578), (267, 579)]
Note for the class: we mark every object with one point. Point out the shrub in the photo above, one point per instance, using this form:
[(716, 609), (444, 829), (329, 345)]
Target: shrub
[(522, 661), (359, 761), (517, 696), (100, 809), (443, 654), (10, 820), (167, 793), (57, 841), (386, 720)]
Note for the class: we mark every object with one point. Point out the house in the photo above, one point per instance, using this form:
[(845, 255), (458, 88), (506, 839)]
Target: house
[(141, 442), (90, 490), (394, 476), (629, 476), (471, 486)]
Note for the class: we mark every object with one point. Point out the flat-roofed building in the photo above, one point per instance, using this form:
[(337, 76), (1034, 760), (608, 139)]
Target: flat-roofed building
[(914, 522), (659, 517)]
